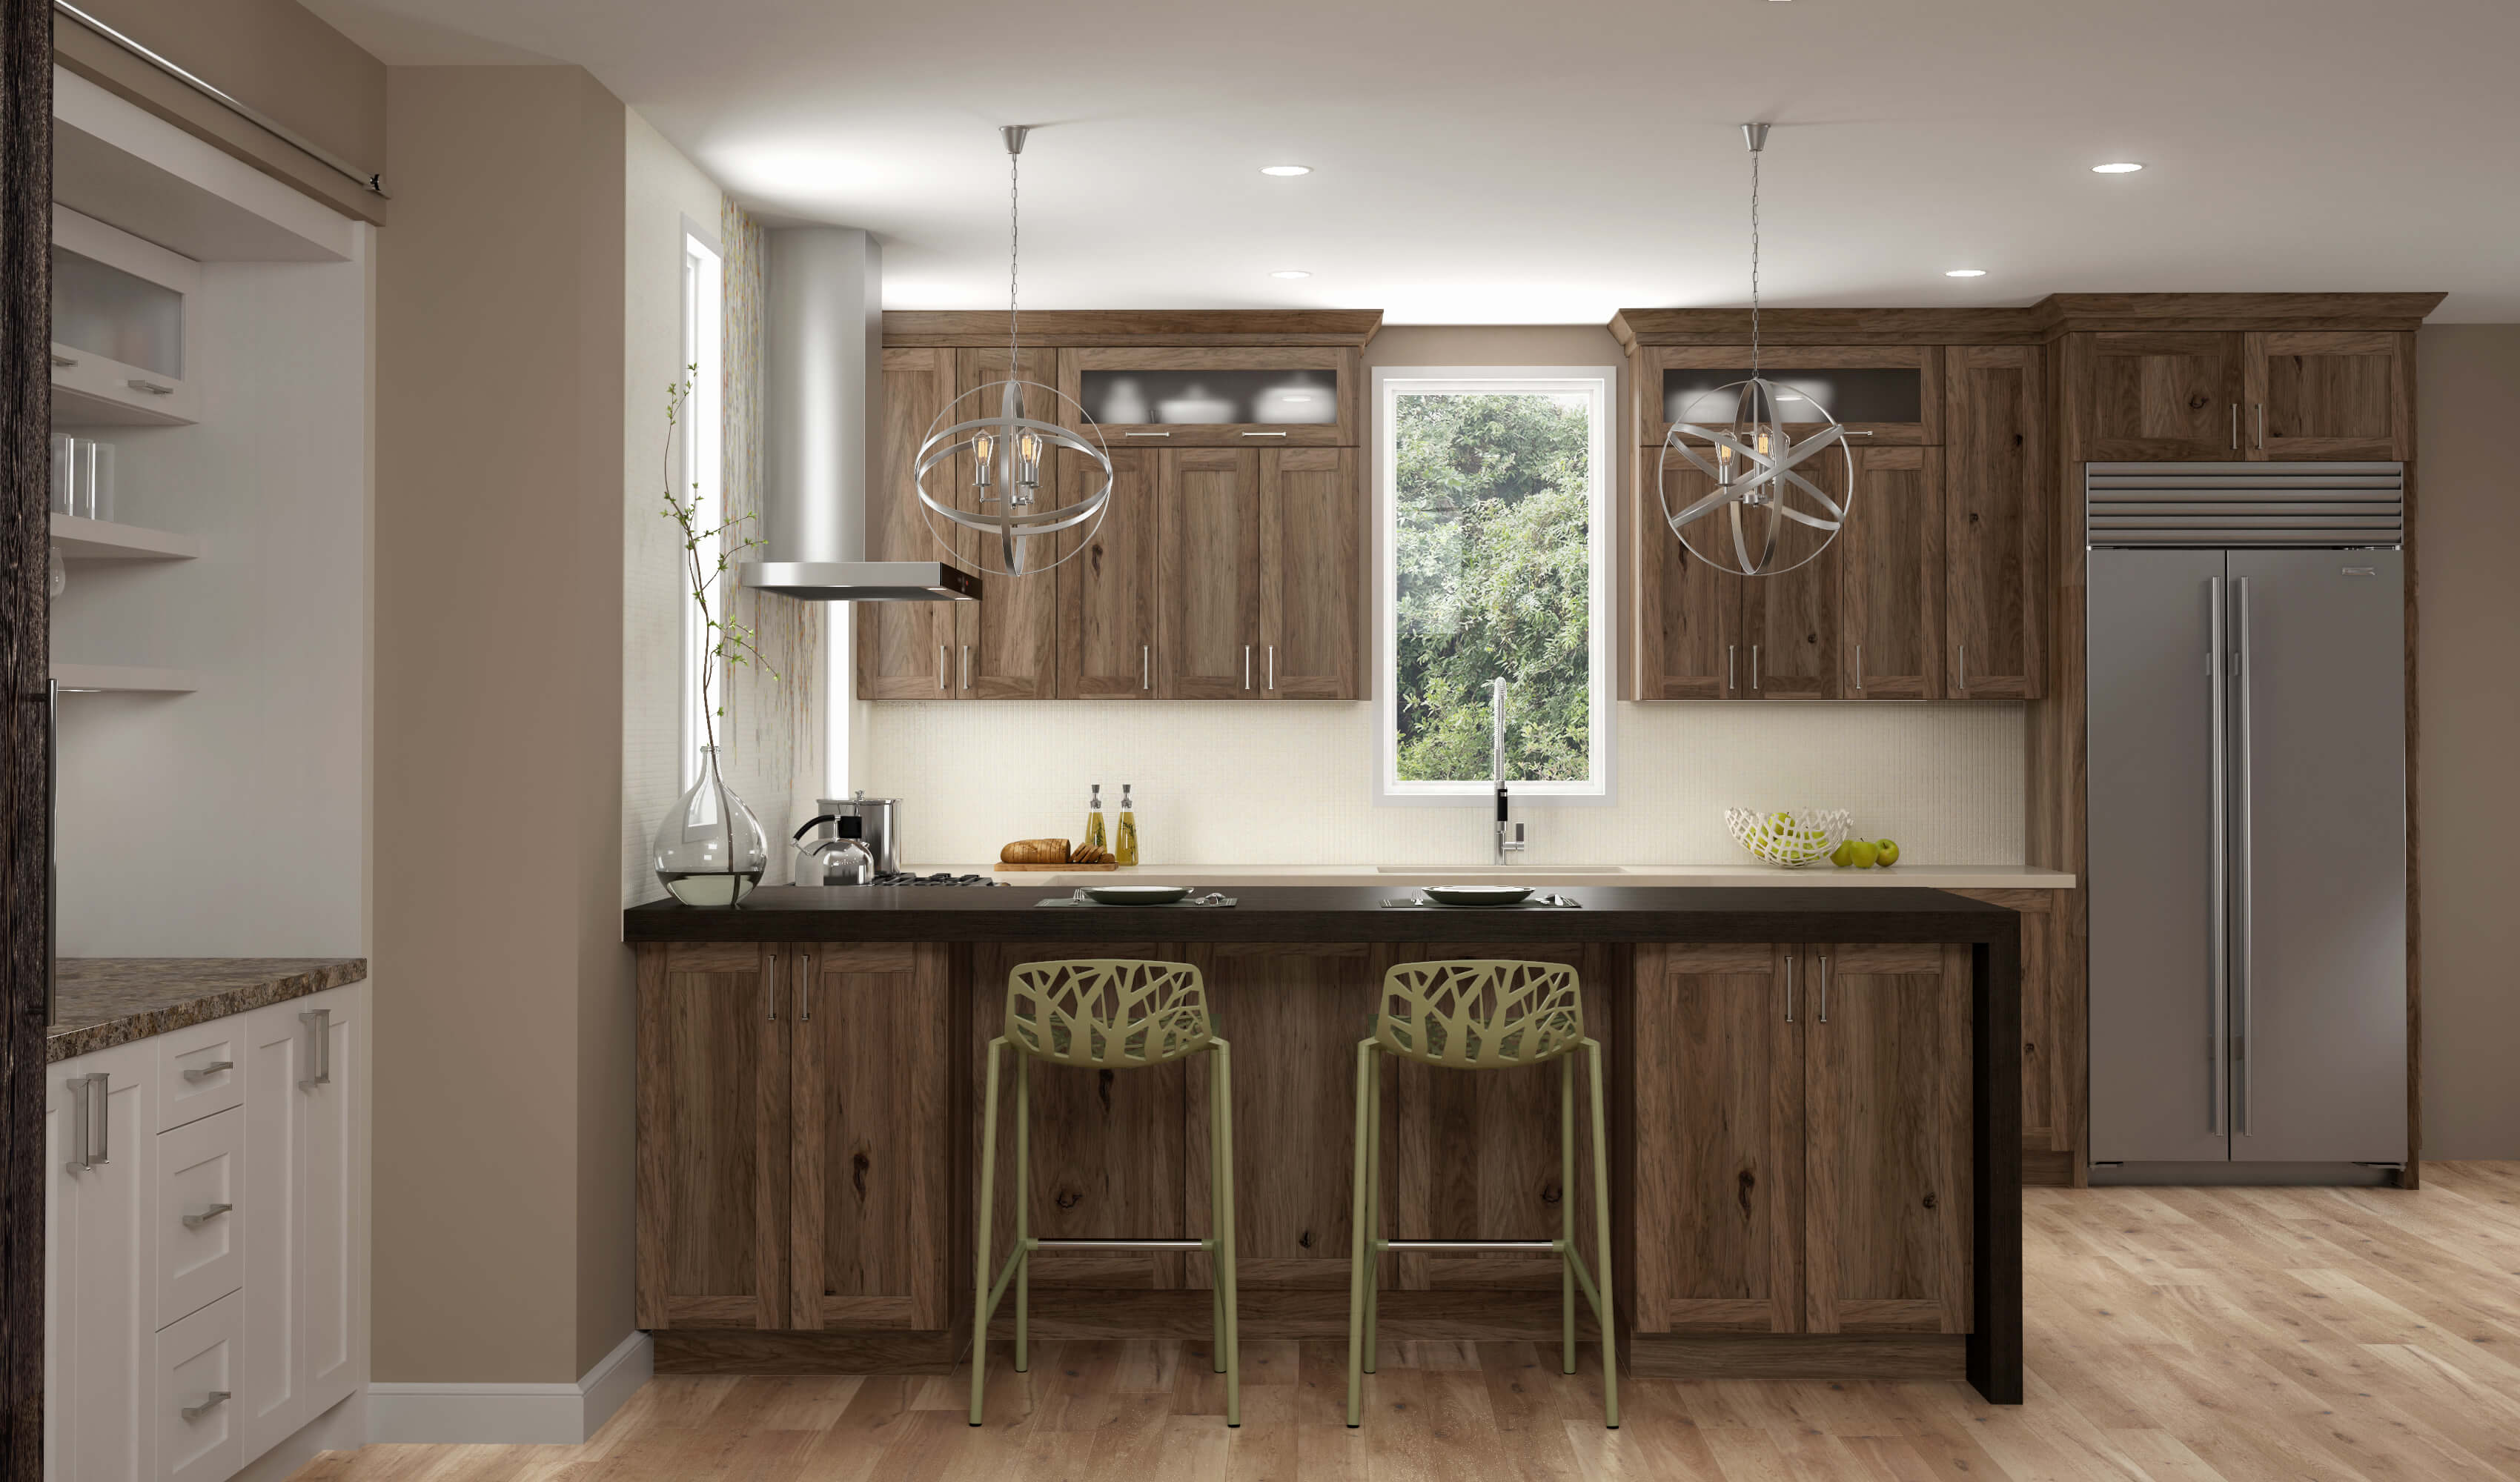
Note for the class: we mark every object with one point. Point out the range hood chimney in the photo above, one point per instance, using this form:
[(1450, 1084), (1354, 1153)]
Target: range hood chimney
[(822, 426)]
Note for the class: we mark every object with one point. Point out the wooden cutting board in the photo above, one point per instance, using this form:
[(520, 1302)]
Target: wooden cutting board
[(1002, 868)]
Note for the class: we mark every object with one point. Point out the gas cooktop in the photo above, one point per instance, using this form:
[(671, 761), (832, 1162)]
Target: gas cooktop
[(940, 877)]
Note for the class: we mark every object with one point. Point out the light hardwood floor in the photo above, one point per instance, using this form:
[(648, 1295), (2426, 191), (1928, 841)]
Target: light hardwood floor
[(2238, 1333)]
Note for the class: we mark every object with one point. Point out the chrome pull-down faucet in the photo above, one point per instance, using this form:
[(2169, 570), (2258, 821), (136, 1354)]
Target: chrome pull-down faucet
[(1509, 834)]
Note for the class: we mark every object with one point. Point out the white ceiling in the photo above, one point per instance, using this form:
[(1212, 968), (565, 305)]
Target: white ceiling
[(1477, 161)]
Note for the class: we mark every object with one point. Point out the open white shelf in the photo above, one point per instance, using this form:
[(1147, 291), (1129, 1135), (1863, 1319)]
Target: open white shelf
[(123, 678), (82, 539)]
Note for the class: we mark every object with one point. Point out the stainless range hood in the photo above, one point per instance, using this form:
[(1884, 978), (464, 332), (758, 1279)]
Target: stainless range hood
[(822, 420)]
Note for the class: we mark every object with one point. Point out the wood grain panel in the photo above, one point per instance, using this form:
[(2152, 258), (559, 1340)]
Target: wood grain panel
[(1792, 620), (1209, 575), (2159, 395), (1106, 590), (1108, 1146), (1717, 1207), (1935, 1357), (1323, 362), (1010, 636), (2052, 1027), (872, 1166), (1688, 614), (1311, 575), (702, 1352), (904, 647), (2328, 395), (1996, 500), (1892, 561), (713, 1106), (1887, 1094)]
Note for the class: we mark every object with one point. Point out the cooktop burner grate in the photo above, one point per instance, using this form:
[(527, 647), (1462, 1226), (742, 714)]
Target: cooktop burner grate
[(905, 879)]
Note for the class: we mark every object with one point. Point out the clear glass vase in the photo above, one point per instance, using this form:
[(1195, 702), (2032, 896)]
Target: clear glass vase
[(710, 850)]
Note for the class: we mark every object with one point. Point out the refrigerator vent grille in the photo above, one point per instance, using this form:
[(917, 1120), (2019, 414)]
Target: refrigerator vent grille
[(2278, 505)]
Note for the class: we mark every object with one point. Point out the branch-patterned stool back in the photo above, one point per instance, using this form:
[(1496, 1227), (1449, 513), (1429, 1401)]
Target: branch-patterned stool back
[(1107, 1014), (1480, 1014)]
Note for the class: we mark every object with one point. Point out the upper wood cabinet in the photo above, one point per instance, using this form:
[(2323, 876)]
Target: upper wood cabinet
[(1891, 392), (1994, 505), (905, 649), (771, 1196), (1688, 614), (2323, 394), (1790, 618), (1007, 644), (1209, 573), (1107, 592), (1892, 554), (2152, 396), (1312, 574), (1802, 1161), (1232, 396)]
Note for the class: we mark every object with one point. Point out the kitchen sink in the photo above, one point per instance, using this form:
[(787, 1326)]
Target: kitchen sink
[(1500, 870)]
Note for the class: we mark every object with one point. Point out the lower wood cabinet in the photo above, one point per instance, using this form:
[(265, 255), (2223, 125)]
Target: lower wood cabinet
[(1801, 1162), (795, 1123)]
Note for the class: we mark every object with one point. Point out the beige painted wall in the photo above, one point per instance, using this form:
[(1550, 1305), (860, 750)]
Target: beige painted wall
[(503, 1008), (2467, 523), (274, 56)]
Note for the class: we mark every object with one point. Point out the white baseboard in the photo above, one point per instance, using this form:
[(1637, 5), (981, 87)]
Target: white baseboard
[(512, 1414)]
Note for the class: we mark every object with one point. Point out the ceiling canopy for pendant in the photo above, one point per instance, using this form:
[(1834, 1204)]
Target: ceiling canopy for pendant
[(1762, 473), (1004, 438)]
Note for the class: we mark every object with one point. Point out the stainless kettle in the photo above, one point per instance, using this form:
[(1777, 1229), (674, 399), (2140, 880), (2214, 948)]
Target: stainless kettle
[(841, 858)]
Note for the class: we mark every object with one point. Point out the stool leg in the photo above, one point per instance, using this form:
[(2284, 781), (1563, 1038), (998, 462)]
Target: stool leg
[(1223, 1178), (1215, 1229), (1373, 1212), (981, 1246), (1024, 1213), (1566, 1202), (1358, 1215), (1601, 1241)]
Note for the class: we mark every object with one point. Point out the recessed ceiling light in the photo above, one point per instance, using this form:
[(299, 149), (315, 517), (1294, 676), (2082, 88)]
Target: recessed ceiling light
[(1963, 272), (1291, 273), (2121, 167), (1285, 169)]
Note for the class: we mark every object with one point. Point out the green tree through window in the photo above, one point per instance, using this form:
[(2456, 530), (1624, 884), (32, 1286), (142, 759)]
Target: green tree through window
[(1491, 557)]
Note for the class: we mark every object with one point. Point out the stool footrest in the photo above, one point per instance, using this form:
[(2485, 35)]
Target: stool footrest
[(1092, 1244), (1467, 1245)]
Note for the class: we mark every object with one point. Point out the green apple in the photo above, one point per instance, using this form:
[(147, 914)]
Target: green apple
[(1844, 856), (1888, 850), (1861, 853)]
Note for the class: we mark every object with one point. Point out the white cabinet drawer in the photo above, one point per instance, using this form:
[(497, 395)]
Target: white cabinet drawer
[(200, 1231), (200, 1071), (199, 1435)]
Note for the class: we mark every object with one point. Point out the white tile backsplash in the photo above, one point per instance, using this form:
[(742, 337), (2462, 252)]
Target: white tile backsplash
[(1290, 781)]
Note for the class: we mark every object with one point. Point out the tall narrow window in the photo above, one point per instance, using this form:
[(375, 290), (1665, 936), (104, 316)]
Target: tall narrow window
[(702, 471), (1493, 510)]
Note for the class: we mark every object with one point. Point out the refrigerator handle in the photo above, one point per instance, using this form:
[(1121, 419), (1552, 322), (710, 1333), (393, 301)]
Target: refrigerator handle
[(2244, 880), (2218, 1011)]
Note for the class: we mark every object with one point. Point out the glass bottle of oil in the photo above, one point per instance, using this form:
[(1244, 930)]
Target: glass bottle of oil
[(1095, 837), (1126, 851)]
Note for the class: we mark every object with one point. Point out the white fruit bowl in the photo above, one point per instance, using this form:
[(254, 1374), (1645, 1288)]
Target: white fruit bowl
[(1792, 838)]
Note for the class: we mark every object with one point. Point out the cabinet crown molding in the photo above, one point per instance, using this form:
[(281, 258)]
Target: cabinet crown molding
[(2055, 315), (1347, 327)]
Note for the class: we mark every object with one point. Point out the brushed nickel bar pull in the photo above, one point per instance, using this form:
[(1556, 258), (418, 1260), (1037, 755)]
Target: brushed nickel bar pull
[(1963, 666), (1789, 988), (2235, 427), (940, 666), (319, 1025), (1467, 1244), (1754, 666), (770, 988), (2244, 945), (149, 387), (1824, 988), (2218, 1025), (966, 666), (101, 1087), (1859, 666), (1146, 434), (1730, 674), (204, 1072), (1246, 666), (197, 1220), (805, 988), (64, 361), (1145, 666), (1273, 666), (2261, 426), (209, 1402), (1264, 434), (82, 1117), (1082, 1243)]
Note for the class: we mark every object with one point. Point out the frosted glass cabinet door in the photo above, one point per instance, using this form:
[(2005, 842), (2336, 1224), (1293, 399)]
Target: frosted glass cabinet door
[(124, 320)]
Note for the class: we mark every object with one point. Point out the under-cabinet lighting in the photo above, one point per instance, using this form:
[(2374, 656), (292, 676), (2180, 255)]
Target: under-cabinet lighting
[(1285, 169), (1291, 273), (2120, 167), (1963, 272)]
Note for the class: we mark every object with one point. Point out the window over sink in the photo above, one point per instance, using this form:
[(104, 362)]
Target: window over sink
[(1492, 518)]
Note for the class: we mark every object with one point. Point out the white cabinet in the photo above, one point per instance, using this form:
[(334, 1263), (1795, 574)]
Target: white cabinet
[(205, 1291), (102, 1286), (126, 318)]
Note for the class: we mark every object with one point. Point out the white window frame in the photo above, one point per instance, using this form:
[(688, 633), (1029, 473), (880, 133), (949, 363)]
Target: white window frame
[(1600, 384), (702, 466)]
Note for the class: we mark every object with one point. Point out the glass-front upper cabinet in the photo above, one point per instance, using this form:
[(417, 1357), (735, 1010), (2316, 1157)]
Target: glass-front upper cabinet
[(122, 326), (1302, 396), (1894, 392)]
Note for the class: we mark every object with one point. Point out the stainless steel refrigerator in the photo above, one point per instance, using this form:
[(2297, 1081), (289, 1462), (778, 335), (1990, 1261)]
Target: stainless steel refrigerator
[(2247, 822)]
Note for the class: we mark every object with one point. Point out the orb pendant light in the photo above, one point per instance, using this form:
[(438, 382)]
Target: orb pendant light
[(1001, 442), (1762, 472)]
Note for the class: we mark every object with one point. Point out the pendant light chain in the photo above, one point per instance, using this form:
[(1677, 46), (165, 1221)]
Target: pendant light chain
[(1015, 222), (1754, 263)]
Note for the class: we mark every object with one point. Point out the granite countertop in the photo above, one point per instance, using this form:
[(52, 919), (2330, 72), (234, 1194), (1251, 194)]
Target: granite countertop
[(109, 1000)]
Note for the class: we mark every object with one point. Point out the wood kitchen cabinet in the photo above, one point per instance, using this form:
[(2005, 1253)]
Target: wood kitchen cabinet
[(1688, 614), (2153, 395), (1994, 502), (2327, 394), (1311, 575), (1107, 594), (1223, 396), (905, 649), (1890, 392), (795, 1133), (1006, 642), (1895, 582), (1802, 1160), (1208, 572)]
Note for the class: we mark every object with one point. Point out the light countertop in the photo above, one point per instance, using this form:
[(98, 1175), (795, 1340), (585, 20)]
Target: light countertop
[(1811, 877)]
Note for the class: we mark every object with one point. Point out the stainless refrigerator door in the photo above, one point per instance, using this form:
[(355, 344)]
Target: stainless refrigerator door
[(2319, 1013), (2157, 1026)]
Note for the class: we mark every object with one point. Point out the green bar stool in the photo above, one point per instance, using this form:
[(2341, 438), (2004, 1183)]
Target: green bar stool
[(1481, 1015), (1105, 1013)]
